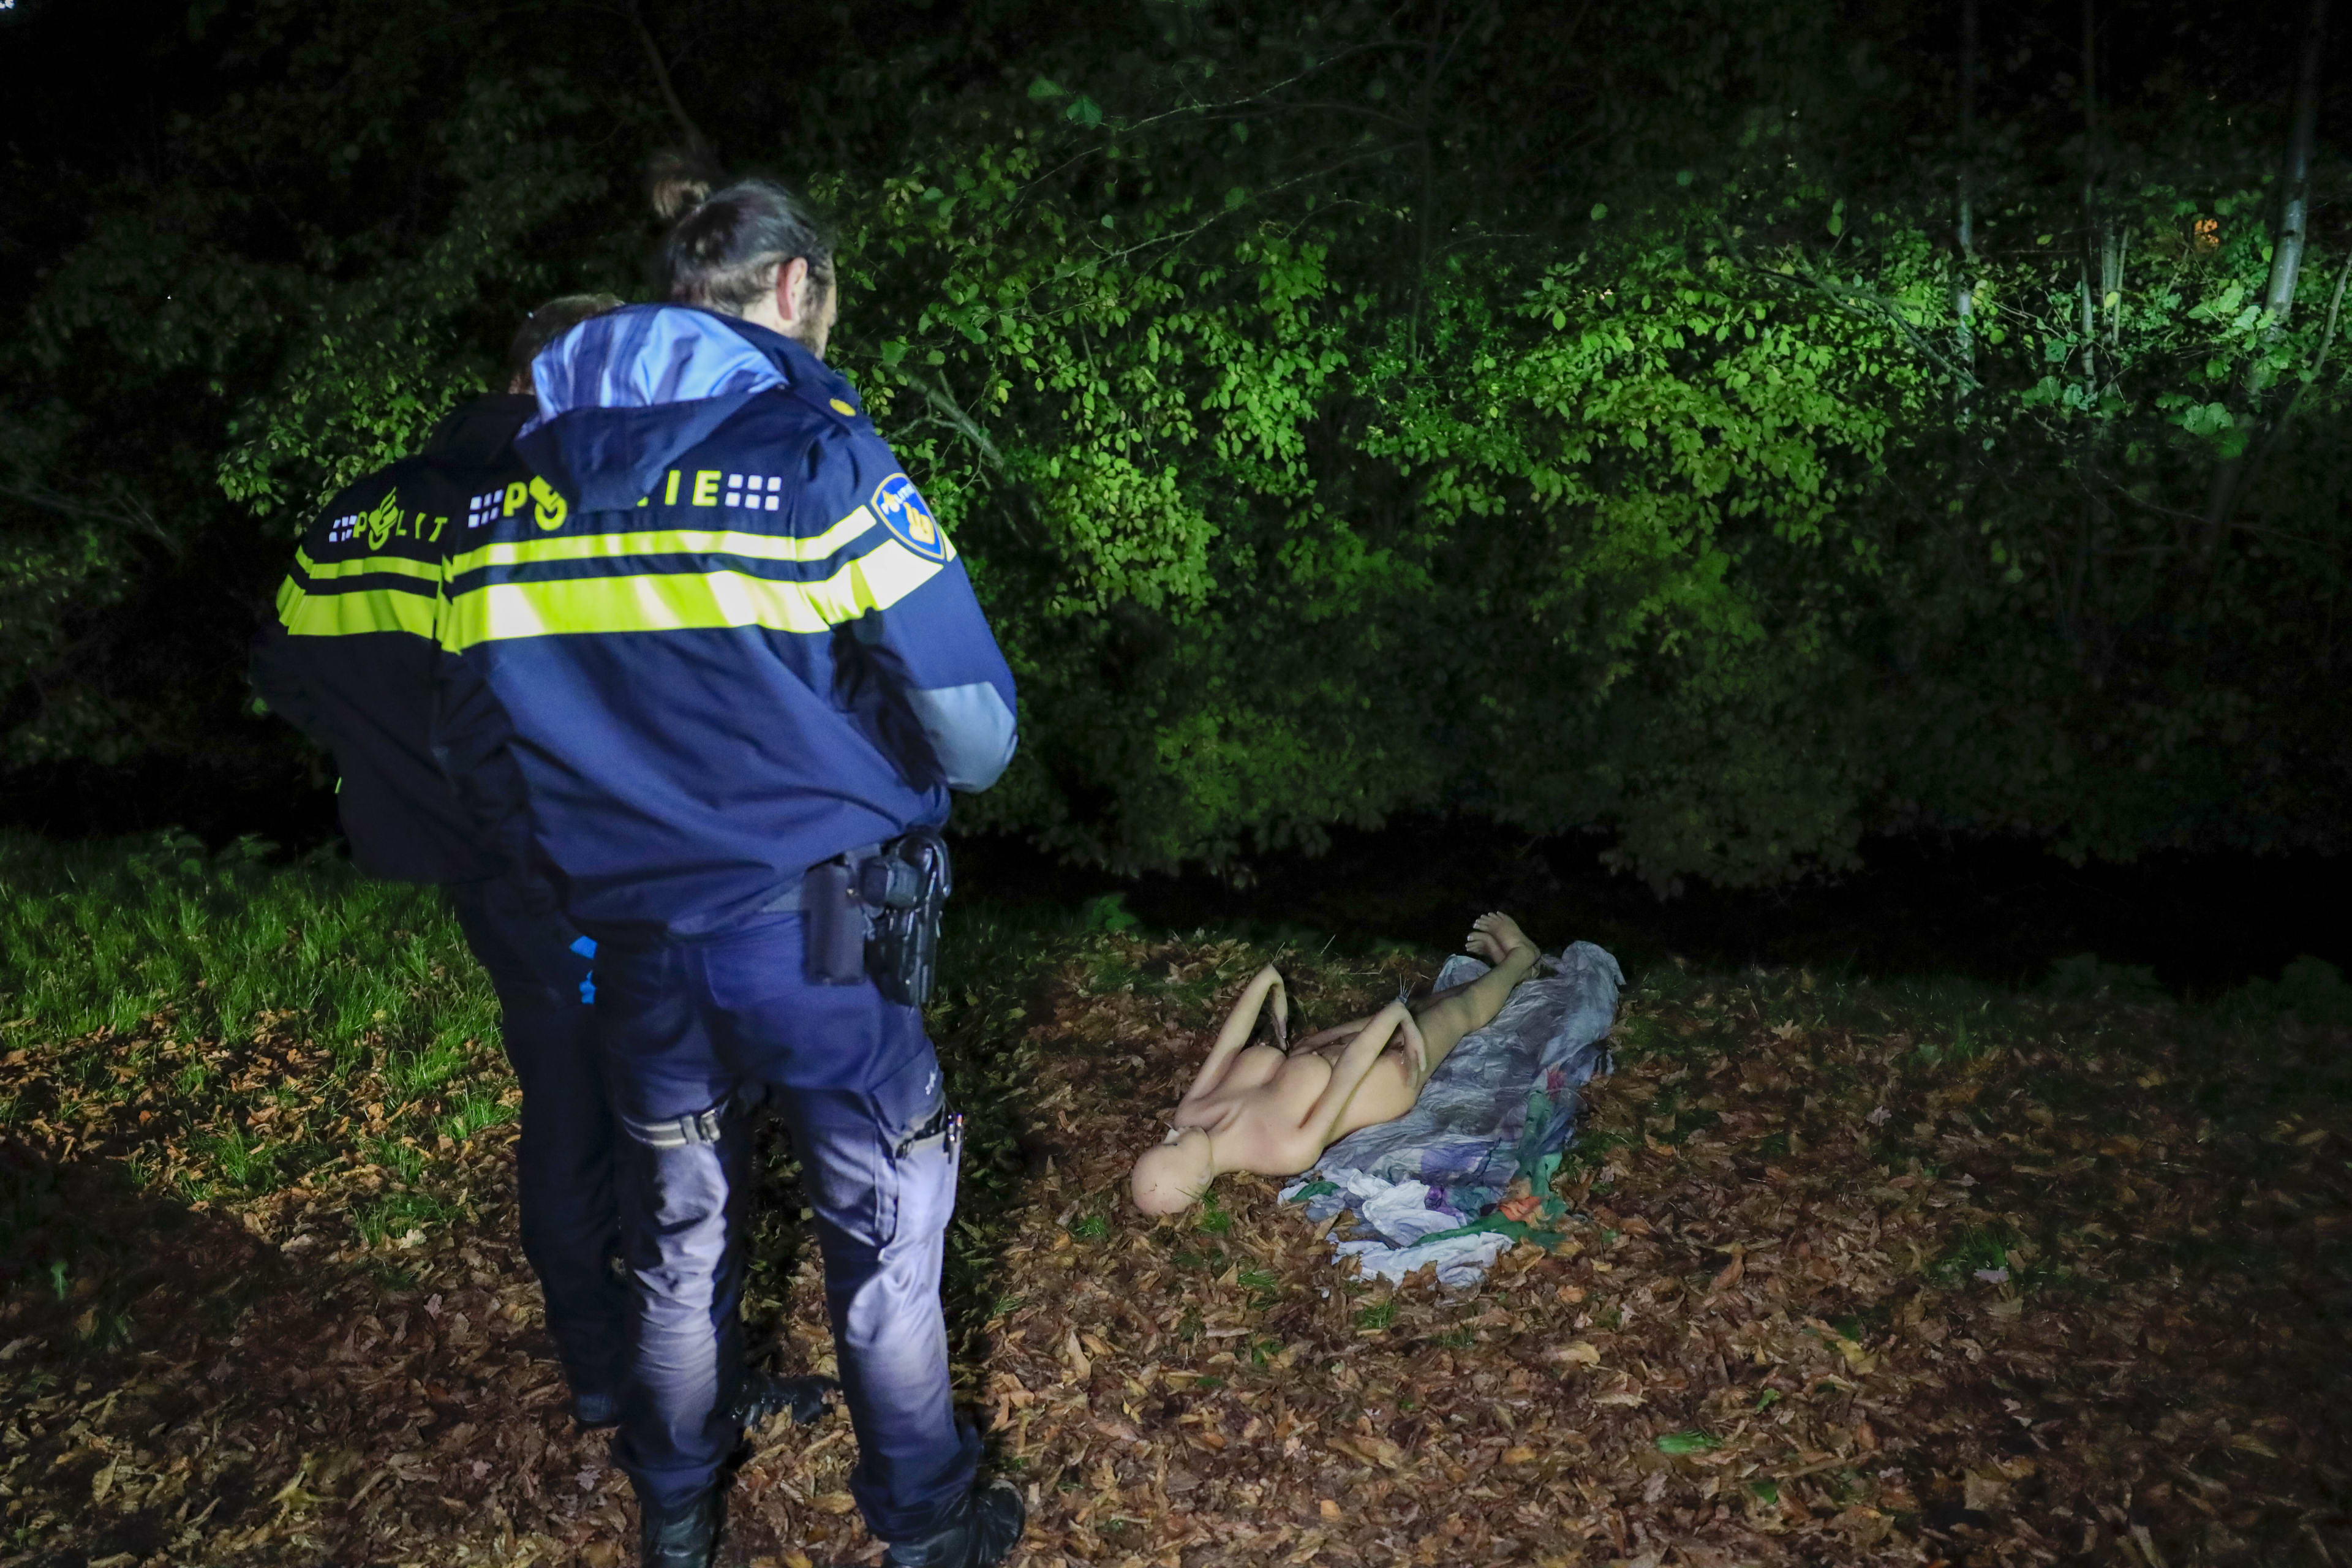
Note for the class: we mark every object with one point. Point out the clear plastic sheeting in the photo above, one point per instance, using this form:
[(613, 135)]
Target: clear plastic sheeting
[(1503, 1099)]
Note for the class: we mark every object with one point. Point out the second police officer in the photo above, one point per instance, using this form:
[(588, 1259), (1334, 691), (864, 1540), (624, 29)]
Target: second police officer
[(721, 684), (351, 660)]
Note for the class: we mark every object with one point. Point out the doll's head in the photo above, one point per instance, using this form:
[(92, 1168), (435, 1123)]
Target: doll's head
[(1172, 1176)]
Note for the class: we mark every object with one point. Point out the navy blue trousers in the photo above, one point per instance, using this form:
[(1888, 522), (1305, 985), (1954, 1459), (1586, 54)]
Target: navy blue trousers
[(692, 1033), (565, 1160)]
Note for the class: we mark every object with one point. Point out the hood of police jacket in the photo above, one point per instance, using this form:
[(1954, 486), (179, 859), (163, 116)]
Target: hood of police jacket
[(623, 394)]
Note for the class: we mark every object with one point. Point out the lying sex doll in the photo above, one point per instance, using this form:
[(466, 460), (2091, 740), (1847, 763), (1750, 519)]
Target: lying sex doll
[(1274, 1111)]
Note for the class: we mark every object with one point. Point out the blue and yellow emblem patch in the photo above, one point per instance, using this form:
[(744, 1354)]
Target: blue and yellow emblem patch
[(904, 513)]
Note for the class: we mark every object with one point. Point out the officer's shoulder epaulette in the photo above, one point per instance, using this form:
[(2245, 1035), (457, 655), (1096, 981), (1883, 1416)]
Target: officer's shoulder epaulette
[(839, 409)]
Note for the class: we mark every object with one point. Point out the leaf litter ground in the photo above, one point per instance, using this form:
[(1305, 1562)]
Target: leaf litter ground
[(1854, 1274)]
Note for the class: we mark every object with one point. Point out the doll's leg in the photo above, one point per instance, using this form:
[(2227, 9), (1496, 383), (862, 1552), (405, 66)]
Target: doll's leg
[(1473, 1006), (1238, 1024)]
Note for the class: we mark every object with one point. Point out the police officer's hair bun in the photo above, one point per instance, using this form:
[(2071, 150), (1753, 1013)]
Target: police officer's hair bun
[(677, 182), (723, 254)]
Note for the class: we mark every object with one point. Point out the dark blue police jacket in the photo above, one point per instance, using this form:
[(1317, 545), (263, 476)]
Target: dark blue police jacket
[(353, 657), (727, 641)]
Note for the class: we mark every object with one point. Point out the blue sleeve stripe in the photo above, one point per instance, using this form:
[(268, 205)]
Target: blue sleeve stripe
[(370, 582), (685, 601)]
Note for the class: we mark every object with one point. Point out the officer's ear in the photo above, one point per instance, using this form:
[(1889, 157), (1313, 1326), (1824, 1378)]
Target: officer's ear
[(795, 301)]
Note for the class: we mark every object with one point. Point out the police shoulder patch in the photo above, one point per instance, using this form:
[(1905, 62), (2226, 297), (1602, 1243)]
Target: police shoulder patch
[(909, 518)]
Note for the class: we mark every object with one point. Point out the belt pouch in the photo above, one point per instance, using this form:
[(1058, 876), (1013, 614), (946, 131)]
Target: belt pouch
[(834, 927)]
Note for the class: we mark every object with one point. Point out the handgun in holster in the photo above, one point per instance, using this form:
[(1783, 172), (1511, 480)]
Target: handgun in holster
[(878, 917)]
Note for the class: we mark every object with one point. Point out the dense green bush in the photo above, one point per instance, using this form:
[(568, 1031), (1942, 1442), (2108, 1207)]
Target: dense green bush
[(1330, 432)]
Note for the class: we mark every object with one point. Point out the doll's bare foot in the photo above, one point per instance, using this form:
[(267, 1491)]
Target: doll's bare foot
[(1494, 936)]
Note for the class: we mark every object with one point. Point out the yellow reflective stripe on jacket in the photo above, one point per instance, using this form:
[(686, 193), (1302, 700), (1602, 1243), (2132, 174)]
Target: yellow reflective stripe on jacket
[(361, 566), (363, 610), (669, 541), (683, 601)]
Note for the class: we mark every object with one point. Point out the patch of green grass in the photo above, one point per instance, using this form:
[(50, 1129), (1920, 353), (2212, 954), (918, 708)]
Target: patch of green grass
[(411, 1075), (403, 1162), (107, 937), (1092, 1226), (241, 1161), (473, 1109), (1592, 1148), (1378, 1315), (1976, 1247), (1968, 1037), (1110, 968), (393, 1216)]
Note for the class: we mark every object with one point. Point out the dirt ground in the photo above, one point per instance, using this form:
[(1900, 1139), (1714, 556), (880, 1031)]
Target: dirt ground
[(1851, 1277)]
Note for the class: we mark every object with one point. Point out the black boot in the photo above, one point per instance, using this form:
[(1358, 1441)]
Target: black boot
[(595, 1408), (983, 1529), (763, 1394), (685, 1536)]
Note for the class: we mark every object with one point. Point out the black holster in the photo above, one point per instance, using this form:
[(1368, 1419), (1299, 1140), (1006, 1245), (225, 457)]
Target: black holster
[(878, 918)]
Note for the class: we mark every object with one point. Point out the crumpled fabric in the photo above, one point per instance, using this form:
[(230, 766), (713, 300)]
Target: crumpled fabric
[(1460, 1259), (1505, 1097), (1400, 1212)]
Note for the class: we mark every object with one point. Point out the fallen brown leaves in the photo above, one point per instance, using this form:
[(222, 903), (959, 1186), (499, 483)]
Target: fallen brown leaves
[(1827, 1298)]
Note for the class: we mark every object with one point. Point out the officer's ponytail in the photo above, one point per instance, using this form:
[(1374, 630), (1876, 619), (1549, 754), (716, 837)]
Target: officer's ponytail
[(676, 182), (723, 252)]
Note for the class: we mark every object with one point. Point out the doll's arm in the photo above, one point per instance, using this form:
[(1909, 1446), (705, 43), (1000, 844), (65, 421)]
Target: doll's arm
[(1238, 1024), (1348, 1074)]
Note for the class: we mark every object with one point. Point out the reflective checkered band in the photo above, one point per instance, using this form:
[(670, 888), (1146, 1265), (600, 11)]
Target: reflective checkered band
[(481, 511), (342, 528), (755, 492)]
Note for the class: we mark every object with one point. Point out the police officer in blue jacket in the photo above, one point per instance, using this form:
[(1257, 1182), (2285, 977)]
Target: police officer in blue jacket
[(352, 661), (724, 675)]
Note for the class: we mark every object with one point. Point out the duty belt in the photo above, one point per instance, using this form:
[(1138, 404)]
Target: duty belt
[(788, 898)]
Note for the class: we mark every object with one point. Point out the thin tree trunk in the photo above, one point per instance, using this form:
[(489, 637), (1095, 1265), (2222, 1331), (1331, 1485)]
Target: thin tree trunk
[(2111, 285), (2097, 257), (2094, 220), (1964, 291), (697, 143), (2286, 264), (2318, 363)]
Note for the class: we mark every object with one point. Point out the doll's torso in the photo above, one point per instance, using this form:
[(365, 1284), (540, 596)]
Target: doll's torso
[(1257, 1113)]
